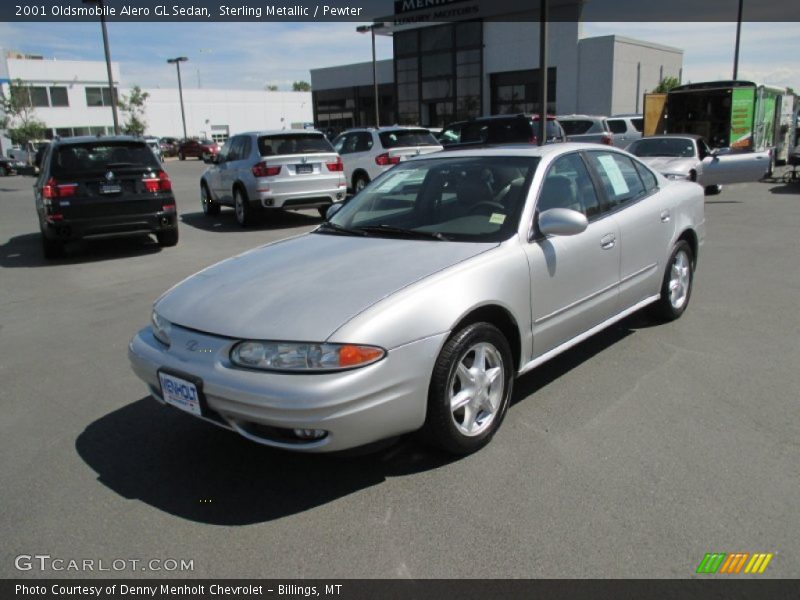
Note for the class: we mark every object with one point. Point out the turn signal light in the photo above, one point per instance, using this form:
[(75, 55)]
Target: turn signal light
[(262, 169), (350, 356), (52, 189), (336, 166), (158, 183), (385, 160)]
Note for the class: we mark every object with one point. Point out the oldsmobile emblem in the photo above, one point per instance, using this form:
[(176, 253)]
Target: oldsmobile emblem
[(110, 176)]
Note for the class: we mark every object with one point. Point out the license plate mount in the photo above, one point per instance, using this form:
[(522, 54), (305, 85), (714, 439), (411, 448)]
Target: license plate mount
[(304, 169), (183, 391)]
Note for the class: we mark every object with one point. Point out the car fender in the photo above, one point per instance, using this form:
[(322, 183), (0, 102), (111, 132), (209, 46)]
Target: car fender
[(436, 304)]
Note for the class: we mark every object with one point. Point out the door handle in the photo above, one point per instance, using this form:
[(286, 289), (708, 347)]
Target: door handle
[(608, 241), (665, 216)]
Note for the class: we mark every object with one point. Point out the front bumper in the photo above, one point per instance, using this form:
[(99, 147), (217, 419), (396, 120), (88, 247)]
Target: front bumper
[(354, 407)]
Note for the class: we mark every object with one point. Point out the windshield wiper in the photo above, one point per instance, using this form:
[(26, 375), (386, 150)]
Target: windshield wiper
[(408, 233), (328, 227)]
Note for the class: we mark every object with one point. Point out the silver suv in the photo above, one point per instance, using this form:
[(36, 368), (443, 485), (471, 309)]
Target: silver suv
[(626, 129), (263, 170), (586, 128), (367, 152)]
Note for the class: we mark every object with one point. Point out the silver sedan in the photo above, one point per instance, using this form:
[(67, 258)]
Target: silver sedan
[(417, 304)]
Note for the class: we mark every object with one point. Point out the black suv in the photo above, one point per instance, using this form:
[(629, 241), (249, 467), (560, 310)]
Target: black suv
[(100, 187), (499, 129)]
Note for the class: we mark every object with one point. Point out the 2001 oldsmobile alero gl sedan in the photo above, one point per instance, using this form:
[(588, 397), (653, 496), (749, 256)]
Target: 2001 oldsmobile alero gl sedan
[(417, 304)]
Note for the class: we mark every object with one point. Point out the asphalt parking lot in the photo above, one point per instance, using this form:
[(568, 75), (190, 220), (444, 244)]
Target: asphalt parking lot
[(632, 455)]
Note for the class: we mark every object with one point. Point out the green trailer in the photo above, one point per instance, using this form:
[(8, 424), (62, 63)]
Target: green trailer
[(740, 115)]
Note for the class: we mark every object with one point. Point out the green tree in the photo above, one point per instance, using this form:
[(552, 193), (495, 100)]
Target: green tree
[(669, 82), (132, 106), (19, 115), (301, 86), (271, 87)]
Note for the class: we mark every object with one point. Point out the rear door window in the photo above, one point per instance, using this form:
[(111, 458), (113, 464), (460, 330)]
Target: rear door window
[(619, 178), (407, 137), (617, 125), (638, 124), (303, 143), (74, 160)]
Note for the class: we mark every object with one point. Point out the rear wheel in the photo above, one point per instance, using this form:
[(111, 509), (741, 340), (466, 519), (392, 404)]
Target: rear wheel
[(713, 190), (242, 208), (167, 238), (360, 181), (676, 288), (210, 208), (470, 389)]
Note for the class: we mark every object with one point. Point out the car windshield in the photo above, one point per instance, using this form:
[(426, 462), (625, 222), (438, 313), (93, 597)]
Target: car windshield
[(303, 143), (473, 199), (76, 159), (675, 147), (407, 137)]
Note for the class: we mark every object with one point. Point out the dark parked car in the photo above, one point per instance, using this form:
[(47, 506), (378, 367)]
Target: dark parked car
[(499, 129), (194, 148), (101, 187)]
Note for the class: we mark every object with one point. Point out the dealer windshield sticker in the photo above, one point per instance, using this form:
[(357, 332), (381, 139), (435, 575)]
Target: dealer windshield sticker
[(497, 218), (611, 168)]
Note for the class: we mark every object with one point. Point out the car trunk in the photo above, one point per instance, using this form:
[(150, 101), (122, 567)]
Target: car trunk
[(307, 163)]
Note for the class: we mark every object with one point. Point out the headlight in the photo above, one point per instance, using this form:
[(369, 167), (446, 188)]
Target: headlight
[(161, 328), (675, 176), (290, 356)]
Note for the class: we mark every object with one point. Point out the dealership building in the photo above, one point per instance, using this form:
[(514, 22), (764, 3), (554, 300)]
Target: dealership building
[(73, 98), (489, 64)]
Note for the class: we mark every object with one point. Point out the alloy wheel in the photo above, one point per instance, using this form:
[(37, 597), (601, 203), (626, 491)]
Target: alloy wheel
[(476, 389)]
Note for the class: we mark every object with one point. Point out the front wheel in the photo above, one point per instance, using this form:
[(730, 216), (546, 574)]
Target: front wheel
[(470, 389), (676, 288), (210, 208), (713, 190)]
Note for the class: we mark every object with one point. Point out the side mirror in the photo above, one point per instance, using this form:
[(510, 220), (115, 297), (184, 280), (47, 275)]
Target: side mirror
[(720, 152), (562, 221), (333, 209)]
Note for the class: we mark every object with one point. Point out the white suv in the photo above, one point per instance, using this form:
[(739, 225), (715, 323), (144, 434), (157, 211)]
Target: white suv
[(368, 152)]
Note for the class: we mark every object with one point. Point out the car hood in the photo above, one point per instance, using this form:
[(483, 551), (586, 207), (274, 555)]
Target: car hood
[(670, 164), (304, 288)]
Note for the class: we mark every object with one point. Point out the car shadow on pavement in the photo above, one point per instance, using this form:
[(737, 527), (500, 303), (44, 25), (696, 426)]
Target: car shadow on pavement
[(24, 251), (196, 471), (225, 222), (789, 187)]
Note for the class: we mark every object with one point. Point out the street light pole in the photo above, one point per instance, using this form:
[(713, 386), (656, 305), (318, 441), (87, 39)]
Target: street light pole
[(738, 37), (542, 137), (177, 62), (371, 29), (111, 90)]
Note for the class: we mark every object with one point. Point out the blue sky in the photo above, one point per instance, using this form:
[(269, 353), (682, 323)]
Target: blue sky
[(253, 55)]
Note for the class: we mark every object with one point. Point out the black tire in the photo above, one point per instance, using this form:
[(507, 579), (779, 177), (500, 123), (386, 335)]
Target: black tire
[(692, 175), (442, 427), (360, 180), (323, 211), (666, 308), (713, 190), (52, 248), (210, 208), (167, 238), (241, 207)]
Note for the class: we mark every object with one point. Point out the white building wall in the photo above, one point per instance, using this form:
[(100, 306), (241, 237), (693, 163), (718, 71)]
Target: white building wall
[(595, 75), (238, 110), (510, 46), (651, 61)]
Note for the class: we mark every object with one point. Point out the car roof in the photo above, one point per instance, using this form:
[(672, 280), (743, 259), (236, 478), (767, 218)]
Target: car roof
[(83, 139), (522, 150), (279, 132), (661, 136), (582, 117)]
